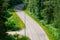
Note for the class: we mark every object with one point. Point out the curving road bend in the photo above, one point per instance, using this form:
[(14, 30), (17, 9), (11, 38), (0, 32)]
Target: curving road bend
[(33, 30)]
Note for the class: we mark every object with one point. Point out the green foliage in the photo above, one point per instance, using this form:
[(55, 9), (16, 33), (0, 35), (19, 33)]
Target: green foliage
[(16, 37), (11, 25), (9, 37), (18, 21), (14, 22), (7, 14), (48, 12), (3, 7), (24, 38), (4, 15)]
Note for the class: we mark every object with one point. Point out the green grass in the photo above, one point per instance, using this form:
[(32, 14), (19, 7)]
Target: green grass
[(50, 36), (14, 22), (18, 20)]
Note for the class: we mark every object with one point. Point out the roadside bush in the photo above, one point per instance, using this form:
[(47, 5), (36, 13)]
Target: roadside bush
[(7, 14), (14, 22), (12, 25), (24, 38), (16, 37), (9, 37)]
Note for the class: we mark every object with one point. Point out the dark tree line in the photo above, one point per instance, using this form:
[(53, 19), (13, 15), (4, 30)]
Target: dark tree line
[(4, 5), (3, 8), (12, 3)]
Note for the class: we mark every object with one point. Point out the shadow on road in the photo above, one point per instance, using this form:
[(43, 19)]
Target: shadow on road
[(19, 7)]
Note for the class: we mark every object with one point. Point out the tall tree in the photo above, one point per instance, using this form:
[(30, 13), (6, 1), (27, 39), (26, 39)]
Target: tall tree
[(3, 8)]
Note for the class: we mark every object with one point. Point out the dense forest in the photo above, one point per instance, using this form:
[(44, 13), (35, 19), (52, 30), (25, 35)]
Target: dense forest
[(9, 21), (47, 12)]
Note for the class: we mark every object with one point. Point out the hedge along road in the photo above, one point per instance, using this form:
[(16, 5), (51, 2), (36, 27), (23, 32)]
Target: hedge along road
[(33, 30)]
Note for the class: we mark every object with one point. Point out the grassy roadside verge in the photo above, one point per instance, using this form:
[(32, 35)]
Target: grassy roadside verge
[(51, 37), (14, 22), (18, 20)]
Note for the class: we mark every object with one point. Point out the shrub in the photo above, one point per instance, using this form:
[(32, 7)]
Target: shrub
[(7, 15), (16, 37), (11, 25)]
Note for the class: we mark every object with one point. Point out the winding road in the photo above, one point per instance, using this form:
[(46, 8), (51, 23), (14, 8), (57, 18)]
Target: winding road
[(33, 30)]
